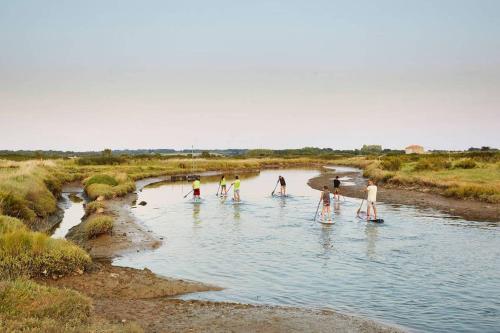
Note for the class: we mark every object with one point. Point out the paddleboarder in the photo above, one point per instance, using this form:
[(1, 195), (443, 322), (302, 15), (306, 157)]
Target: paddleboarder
[(282, 181), (371, 198), (222, 183), (196, 188), (236, 190), (336, 188), (325, 198)]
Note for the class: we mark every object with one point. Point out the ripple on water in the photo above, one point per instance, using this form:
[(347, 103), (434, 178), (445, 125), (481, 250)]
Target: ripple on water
[(420, 269)]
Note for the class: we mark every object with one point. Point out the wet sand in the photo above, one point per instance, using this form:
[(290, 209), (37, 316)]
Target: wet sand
[(469, 210), (122, 294)]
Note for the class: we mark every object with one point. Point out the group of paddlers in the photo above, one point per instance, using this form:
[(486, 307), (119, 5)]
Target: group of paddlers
[(371, 198), (222, 190), (371, 192)]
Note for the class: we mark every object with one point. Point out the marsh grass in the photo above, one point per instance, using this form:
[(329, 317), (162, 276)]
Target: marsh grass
[(474, 178), (31, 254), (97, 225), (27, 306), (94, 207)]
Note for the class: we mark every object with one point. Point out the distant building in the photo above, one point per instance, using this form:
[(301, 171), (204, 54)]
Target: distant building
[(414, 149)]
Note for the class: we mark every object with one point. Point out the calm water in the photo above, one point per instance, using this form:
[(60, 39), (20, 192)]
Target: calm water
[(420, 269), (72, 203)]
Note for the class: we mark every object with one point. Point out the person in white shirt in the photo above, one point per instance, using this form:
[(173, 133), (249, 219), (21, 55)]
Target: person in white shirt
[(371, 198)]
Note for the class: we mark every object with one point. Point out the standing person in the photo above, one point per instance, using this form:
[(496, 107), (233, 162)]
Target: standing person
[(325, 197), (196, 188), (336, 188), (236, 190), (222, 184), (371, 198), (282, 185)]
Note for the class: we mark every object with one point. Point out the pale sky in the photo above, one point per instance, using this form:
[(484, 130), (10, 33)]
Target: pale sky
[(88, 75)]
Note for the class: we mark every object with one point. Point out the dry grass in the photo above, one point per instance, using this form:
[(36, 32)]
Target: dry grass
[(97, 225), (457, 177), (30, 254), (29, 307)]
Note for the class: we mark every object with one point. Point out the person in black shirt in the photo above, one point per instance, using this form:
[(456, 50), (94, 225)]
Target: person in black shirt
[(282, 185), (336, 188)]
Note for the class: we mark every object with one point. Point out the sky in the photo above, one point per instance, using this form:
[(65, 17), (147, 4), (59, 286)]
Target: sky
[(89, 75)]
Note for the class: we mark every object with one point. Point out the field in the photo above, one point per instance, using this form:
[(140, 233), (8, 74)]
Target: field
[(29, 191), (460, 176)]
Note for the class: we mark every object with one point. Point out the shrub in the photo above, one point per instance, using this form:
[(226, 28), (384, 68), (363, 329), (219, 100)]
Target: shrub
[(14, 205), (432, 164), (96, 190), (93, 207), (391, 164), (101, 179), (98, 225), (482, 193), (31, 254), (100, 160), (466, 164), (26, 306), (9, 224)]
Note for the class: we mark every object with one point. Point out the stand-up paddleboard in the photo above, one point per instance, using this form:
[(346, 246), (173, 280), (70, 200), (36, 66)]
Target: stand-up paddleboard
[(331, 222), (362, 216), (319, 219), (196, 201)]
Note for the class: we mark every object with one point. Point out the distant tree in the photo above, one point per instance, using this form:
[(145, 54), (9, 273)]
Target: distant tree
[(107, 153), (371, 149), (485, 148), (205, 154)]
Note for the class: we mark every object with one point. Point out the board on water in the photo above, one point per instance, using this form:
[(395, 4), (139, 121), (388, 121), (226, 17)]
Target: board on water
[(196, 201), (362, 216), (327, 222)]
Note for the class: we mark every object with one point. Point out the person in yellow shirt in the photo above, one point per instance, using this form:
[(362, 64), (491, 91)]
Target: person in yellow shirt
[(222, 183), (236, 190), (196, 188)]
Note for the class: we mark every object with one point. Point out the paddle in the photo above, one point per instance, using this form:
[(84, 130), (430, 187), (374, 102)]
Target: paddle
[(229, 189), (218, 190), (272, 193), (317, 209), (359, 209), (188, 193)]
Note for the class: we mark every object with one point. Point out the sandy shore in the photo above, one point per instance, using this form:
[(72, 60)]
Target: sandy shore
[(469, 210), (121, 294)]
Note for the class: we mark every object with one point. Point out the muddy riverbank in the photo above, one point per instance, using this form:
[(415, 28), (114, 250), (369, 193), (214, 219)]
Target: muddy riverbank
[(469, 210), (121, 295)]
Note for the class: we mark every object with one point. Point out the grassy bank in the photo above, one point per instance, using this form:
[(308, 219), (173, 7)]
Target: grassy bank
[(461, 176)]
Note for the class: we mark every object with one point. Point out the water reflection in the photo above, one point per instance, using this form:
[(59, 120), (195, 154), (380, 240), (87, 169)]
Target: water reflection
[(196, 213), (266, 242), (371, 233), (237, 212)]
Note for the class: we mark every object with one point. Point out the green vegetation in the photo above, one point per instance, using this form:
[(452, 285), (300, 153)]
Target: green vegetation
[(26, 306), (98, 225), (34, 254), (474, 176), (29, 307), (94, 207)]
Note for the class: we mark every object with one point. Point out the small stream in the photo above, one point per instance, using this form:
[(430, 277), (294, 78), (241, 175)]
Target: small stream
[(72, 204), (421, 269)]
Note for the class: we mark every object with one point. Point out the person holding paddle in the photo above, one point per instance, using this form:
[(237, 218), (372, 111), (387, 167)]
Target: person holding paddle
[(282, 182), (325, 198), (222, 184), (196, 188), (336, 188), (371, 198), (236, 190)]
